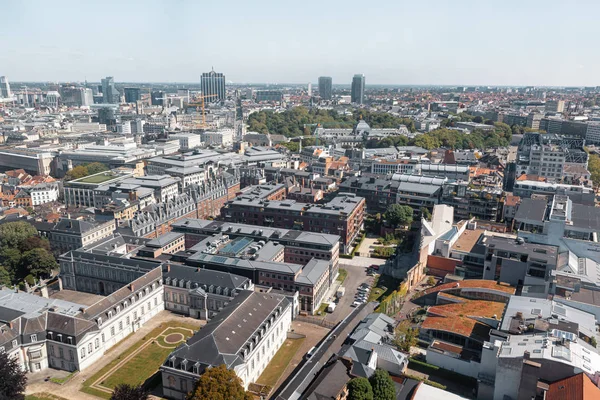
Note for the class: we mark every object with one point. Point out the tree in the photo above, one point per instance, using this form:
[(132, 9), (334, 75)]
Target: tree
[(78, 172), (38, 262), (594, 168), (431, 281), (95, 167), (382, 385), (5, 278), (360, 389), (219, 383), (34, 242), (404, 341), (425, 213), (12, 378), (13, 234), (129, 392), (397, 214)]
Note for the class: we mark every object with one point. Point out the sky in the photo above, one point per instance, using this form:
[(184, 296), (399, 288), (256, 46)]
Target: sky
[(434, 42)]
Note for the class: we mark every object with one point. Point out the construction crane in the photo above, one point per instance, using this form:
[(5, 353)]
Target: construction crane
[(200, 106)]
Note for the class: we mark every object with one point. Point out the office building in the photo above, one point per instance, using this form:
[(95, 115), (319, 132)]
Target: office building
[(325, 87), (5, 88), (110, 95), (592, 135), (157, 98), (557, 106), (269, 96), (213, 86), (358, 89), (132, 94)]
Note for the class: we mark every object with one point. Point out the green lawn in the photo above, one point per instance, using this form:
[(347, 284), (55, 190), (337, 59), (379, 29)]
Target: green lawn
[(280, 361), (124, 374), (64, 380), (383, 286), (322, 309), (141, 367), (342, 274)]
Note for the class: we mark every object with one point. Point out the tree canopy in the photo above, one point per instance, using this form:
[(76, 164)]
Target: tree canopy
[(360, 389), (84, 170), (382, 385), (23, 253), (397, 214), (129, 392), (594, 168), (292, 122), (12, 378), (219, 383)]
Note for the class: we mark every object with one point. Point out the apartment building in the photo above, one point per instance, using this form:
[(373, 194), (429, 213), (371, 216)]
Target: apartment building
[(343, 216)]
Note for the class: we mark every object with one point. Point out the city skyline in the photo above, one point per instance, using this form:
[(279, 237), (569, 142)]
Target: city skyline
[(409, 44)]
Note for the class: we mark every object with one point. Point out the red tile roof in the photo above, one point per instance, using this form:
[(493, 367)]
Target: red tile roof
[(577, 387)]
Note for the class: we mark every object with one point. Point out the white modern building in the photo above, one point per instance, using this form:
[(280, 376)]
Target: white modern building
[(187, 140), (44, 193), (220, 138)]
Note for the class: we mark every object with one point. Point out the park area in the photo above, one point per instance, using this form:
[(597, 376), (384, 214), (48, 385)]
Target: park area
[(280, 361), (139, 364)]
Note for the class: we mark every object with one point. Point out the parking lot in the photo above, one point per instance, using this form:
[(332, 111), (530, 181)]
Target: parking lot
[(357, 274)]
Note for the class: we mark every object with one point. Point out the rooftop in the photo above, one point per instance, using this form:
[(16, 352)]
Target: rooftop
[(467, 240), (473, 284)]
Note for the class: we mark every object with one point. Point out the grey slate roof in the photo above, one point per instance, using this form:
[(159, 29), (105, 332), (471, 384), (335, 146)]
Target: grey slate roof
[(205, 276), (223, 339)]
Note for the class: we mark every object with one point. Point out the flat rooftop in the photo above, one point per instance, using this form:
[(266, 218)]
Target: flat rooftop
[(468, 240), (14, 304), (74, 296)]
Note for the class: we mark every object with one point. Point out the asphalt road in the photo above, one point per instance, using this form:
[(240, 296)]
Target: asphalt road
[(298, 382), (356, 276)]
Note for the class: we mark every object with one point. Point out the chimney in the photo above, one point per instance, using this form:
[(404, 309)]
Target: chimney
[(132, 287), (526, 355)]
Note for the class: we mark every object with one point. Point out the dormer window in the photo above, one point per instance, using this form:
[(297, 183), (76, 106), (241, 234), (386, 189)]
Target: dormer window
[(110, 314), (50, 334), (125, 304), (69, 340), (33, 338), (197, 368), (99, 321), (184, 365), (118, 309), (172, 361)]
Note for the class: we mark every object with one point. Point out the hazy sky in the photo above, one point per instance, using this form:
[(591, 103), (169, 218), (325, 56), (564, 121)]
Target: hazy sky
[(495, 42)]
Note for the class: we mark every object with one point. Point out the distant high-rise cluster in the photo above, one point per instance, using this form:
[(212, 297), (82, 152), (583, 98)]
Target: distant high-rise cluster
[(110, 95), (132, 94), (358, 89), (4, 88), (213, 86), (325, 87)]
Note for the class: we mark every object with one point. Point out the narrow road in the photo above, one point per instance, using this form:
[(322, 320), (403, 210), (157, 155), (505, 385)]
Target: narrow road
[(292, 389)]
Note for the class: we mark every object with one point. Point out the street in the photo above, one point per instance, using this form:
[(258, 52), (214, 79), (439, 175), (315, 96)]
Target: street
[(297, 383)]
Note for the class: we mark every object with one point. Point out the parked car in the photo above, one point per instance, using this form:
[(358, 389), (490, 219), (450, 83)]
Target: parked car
[(355, 304)]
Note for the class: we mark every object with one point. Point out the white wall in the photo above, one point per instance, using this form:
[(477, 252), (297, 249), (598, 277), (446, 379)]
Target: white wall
[(468, 368)]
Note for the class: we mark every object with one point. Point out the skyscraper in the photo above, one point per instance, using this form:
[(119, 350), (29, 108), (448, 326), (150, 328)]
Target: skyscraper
[(157, 98), (132, 94), (213, 85), (5, 87), (325, 87), (110, 94), (358, 89)]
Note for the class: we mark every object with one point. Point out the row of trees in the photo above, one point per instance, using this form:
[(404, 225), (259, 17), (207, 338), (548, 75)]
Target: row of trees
[(594, 168), (84, 170), (378, 387), (23, 254), (291, 122)]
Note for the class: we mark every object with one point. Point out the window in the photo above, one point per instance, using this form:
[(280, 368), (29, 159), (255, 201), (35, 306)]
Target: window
[(89, 348), (120, 325), (112, 331), (127, 320), (33, 338), (14, 343), (83, 352), (71, 355), (96, 343)]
